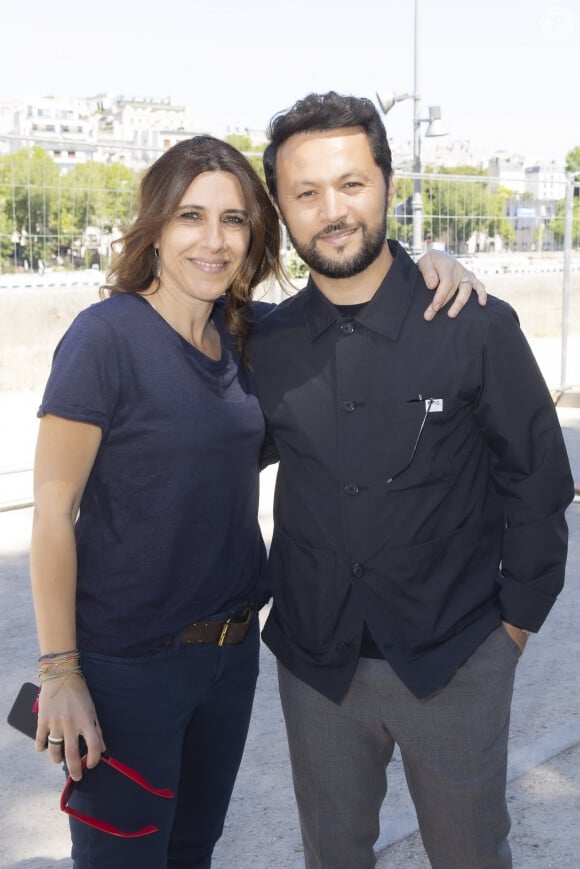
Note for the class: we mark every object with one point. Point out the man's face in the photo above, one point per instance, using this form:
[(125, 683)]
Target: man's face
[(333, 199)]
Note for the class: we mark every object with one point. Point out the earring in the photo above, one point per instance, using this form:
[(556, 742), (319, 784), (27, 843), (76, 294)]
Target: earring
[(156, 265)]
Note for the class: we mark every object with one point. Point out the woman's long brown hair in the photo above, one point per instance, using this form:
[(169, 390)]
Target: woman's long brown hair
[(160, 192)]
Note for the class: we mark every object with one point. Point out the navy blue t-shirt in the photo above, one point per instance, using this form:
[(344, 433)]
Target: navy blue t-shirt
[(167, 532)]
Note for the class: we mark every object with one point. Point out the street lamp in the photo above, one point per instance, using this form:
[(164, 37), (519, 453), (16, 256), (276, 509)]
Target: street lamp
[(435, 128)]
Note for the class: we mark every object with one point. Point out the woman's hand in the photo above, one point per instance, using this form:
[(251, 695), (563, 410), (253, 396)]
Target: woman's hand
[(66, 710), (446, 275)]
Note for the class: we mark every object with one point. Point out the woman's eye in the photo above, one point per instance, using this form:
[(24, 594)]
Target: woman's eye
[(236, 220), (190, 215)]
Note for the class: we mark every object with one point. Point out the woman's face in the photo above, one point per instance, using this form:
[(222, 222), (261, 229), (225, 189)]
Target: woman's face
[(205, 243)]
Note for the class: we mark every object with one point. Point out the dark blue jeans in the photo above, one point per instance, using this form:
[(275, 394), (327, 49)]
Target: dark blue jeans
[(180, 717)]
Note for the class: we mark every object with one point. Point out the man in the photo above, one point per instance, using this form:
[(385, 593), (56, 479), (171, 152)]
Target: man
[(419, 512)]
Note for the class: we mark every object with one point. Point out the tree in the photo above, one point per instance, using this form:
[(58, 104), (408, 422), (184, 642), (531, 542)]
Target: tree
[(557, 225), (97, 194), (400, 222), (244, 144), (573, 162), (28, 179), (464, 212), (46, 213), (573, 166)]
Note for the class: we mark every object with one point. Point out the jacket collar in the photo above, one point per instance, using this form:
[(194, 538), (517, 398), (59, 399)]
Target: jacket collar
[(384, 313)]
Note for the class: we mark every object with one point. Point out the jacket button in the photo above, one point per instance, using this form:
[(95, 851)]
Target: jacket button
[(347, 406), (347, 327), (351, 489), (357, 570)]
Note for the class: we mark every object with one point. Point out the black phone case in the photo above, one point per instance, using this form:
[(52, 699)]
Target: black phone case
[(21, 716)]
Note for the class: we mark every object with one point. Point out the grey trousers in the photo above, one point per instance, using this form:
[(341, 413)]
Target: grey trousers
[(454, 750)]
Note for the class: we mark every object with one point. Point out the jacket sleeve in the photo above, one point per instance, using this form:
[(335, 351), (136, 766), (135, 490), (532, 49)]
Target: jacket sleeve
[(530, 470)]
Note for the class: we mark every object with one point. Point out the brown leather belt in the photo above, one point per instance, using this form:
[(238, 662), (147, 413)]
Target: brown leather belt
[(225, 633)]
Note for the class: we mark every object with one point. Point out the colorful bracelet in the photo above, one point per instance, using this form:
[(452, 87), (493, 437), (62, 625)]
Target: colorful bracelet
[(61, 674), (52, 655), (58, 664)]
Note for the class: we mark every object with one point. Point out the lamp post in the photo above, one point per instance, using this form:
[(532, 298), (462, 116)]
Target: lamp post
[(435, 128)]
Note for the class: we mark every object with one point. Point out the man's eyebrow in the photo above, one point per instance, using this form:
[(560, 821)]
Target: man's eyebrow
[(354, 173)]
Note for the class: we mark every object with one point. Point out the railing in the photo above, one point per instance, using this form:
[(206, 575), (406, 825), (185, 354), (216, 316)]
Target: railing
[(16, 494)]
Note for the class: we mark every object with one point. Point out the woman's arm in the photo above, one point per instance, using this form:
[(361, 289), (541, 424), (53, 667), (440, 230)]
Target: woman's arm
[(65, 454), (446, 275)]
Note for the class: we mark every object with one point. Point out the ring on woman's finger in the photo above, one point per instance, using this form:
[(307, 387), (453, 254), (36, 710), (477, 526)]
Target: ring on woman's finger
[(55, 740), (466, 278)]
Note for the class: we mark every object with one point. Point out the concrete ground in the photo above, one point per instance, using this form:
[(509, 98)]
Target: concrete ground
[(262, 829)]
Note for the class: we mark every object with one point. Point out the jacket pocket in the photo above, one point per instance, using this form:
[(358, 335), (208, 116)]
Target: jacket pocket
[(421, 595)]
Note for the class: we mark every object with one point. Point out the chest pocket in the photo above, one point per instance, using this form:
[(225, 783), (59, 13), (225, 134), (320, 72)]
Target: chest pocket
[(422, 436)]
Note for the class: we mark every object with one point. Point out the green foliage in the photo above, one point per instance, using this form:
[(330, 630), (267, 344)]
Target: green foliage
[(454, 211), (45, 213), (573, 162), (26, 178), (247, 148), (557, 225), (95, 194), (295, 267), (463, 169)]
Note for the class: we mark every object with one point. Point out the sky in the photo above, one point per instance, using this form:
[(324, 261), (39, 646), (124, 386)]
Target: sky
[(505, 73)]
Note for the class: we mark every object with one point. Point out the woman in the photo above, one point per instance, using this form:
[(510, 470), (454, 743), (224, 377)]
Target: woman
[(151, 433)]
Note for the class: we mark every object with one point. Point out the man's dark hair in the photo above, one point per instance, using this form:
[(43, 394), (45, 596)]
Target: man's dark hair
[(331, 111)]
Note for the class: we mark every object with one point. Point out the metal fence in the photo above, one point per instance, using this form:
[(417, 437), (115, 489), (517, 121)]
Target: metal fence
[(55, 214), (521, 235), (468, 214)]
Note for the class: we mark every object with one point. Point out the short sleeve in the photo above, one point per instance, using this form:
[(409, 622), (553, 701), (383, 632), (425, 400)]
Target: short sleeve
[(84, 381)]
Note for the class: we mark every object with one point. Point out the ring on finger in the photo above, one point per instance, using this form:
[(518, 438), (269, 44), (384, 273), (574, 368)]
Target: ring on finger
[(55, 740), (466, 278)]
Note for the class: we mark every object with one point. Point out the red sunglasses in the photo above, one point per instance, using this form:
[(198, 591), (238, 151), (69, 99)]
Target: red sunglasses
[(103, 826)]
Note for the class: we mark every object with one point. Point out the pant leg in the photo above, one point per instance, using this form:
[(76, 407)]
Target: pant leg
[(212, 751), (339, 755), (454, 749), (146, 706)]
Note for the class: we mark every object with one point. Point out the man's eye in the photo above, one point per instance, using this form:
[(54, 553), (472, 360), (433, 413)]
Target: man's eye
[(306, 194)]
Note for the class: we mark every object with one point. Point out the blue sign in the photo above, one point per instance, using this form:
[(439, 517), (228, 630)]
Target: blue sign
[(525, 212)]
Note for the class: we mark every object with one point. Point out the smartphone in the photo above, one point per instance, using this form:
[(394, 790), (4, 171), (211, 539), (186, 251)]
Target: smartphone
[(21, 716)]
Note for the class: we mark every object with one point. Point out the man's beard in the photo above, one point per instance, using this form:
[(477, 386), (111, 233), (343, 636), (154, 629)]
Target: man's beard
[(373, 242)]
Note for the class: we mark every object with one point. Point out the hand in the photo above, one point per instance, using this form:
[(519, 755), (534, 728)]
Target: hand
[(517, 635), (446, 274), (65, 708)]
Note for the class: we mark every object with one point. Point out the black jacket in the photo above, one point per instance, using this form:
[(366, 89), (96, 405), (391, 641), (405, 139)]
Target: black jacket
[(422, 484)]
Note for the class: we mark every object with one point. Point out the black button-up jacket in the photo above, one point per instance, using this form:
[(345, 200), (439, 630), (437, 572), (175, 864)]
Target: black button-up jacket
[(422, 484)]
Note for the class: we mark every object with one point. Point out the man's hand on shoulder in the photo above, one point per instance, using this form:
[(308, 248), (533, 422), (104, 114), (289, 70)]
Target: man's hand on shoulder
[(447, 276)]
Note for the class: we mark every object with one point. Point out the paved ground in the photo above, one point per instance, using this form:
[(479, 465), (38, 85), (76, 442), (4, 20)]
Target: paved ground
[(262, 830)]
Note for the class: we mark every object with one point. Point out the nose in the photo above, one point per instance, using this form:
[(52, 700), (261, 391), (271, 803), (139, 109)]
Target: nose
[(333, 206), (215, 235)]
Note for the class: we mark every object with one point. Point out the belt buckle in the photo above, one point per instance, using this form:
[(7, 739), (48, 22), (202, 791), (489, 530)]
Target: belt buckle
[(224, 633)]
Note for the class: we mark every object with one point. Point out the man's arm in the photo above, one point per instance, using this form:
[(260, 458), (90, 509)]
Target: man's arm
[(447, 276), (531, 473)]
